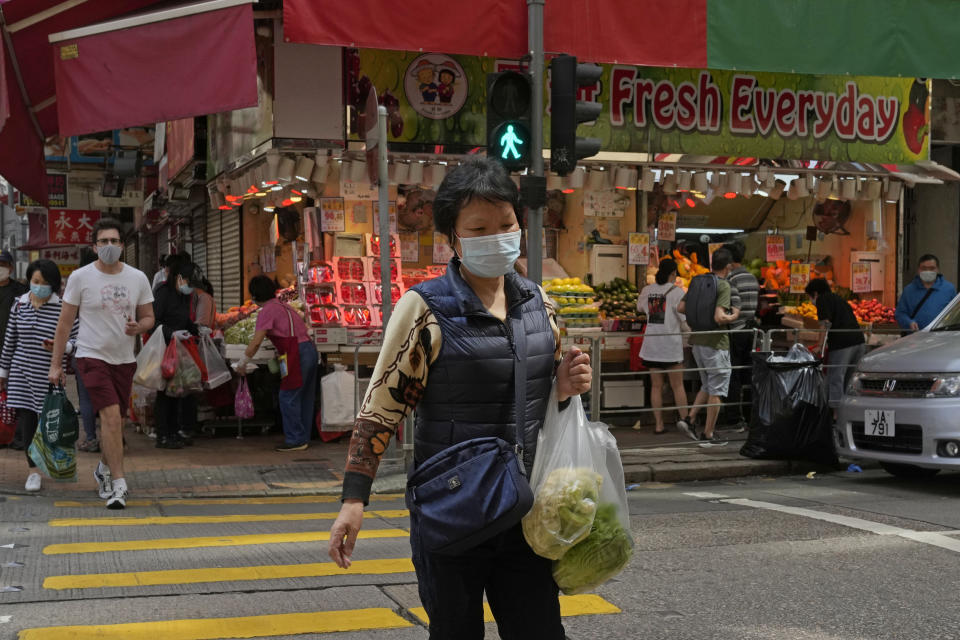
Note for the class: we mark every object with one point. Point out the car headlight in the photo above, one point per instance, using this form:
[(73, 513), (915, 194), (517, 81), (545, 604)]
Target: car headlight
[(945, 387)]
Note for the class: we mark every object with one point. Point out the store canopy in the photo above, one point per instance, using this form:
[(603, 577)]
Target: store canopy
[(28, 87), (890, 38)]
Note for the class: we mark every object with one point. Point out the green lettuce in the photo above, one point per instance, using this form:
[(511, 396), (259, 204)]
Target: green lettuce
[(600, 556), (562, 511)]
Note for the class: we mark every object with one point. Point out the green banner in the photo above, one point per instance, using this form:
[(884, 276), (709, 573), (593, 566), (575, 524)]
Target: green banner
[(440, 99)]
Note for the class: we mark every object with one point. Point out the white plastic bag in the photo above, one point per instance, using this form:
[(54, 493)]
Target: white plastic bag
[(607, 549), (336, 407), (149, 361), (217, 371), (565, 484)]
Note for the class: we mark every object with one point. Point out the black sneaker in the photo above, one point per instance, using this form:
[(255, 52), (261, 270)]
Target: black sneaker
[(712, 441), (169, 442), (291, 447), (688, 430)]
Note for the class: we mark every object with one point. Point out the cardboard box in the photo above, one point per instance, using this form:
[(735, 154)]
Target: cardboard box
[(623, 394)]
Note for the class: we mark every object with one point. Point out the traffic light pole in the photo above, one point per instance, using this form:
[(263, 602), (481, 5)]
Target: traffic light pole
[(535, 215)]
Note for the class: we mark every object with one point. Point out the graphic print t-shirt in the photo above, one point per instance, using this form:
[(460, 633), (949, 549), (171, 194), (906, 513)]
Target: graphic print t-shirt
[(106, 302), (659, 302)]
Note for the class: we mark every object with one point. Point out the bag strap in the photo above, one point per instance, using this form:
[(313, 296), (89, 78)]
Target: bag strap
[(920, 305), (290, 318), (519, 381)]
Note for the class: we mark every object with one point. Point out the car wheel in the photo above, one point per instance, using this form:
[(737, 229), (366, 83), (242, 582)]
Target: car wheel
[(908, 470)]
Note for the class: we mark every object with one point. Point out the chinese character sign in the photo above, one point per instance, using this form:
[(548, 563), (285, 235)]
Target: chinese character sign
[(332, 216), (667, 226), (71, 226), (861, 278), (775, 249), (799, 277), (638, 248)]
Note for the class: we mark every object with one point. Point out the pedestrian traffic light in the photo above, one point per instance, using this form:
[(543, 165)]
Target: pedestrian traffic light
[(508, 118), (566, 112)]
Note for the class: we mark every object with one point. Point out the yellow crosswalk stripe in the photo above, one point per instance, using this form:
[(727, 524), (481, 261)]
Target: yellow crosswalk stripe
[(195, 502), (285, 624), (570, 606), (226, 574), (253, 517), (211, 541)]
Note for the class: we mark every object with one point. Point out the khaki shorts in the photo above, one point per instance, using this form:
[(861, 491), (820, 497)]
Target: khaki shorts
[(715, 369)]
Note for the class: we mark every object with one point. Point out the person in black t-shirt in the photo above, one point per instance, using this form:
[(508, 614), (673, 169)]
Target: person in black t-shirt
[(845, 343)]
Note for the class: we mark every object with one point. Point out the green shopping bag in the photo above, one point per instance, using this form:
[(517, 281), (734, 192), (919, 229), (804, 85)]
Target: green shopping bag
[(58, 419), (56, 462)]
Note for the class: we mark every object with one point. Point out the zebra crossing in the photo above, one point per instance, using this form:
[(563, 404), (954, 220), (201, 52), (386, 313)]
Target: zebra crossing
[(267, 554)]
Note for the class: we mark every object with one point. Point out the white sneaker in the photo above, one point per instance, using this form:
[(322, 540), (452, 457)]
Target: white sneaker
[(33, 482), (102, 476), (118, 499)]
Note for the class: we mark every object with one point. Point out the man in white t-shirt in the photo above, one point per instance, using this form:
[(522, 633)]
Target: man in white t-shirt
[(115, 303)]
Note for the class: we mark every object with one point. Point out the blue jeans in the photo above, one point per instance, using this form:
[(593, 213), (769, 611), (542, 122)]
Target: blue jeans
[(296, 405), (86, 410)]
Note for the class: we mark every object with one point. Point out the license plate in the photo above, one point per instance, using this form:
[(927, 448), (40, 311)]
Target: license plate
[(879, 423)]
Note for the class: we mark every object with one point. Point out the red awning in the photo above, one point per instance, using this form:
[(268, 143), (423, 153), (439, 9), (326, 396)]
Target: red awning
[(29, 86), (644, 32), (187, 65)]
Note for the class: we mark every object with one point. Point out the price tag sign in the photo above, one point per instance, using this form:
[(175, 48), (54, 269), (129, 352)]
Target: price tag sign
[(332, 215), (861, 277), (638, 252), (775, 249), (667, 227), (799, 277)]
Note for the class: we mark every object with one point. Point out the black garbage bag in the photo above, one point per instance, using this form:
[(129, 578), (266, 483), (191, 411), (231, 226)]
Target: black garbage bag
[(790, 417)]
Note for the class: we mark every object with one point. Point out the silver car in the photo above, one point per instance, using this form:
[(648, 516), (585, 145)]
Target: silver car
[(902, 405)]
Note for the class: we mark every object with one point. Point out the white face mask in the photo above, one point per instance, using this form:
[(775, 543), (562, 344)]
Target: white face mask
[(4, 273), (110, 253), (928, 276), (490, 256)]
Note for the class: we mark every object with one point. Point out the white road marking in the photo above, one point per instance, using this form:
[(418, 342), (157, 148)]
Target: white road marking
[(706, 495), (933, 538), (5, 619)]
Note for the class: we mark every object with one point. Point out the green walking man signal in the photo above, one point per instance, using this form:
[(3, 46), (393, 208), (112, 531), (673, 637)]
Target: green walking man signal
[(508, 118)]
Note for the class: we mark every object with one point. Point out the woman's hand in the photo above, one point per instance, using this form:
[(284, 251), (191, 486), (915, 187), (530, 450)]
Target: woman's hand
[(574, 374), (3, 384), (343, 533)]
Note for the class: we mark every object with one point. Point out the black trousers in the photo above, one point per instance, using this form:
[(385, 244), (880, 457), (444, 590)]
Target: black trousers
[(519, 586), (741, 345), (27, 422), (173, 414)]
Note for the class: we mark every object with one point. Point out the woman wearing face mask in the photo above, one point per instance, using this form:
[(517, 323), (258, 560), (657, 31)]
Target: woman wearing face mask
[(26, 351), (449, 352), (175, 309)]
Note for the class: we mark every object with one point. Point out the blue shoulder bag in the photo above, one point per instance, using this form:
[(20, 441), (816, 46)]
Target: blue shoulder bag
[(476, 489)]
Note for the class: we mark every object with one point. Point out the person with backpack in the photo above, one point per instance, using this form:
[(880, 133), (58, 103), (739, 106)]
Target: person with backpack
[(662, 348), (708, 310)]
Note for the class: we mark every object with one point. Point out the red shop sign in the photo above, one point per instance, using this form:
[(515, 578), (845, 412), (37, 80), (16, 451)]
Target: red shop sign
[(71, 226)]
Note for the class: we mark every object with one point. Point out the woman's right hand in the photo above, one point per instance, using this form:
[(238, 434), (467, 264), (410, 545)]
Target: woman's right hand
[(3, 384), (343, 533)]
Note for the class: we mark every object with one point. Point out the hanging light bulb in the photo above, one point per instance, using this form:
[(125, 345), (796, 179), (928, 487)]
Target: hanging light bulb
[(873, 189), (437, 173), (848, 189), (892, 190), (285, 169), (416, 173), (597, 179), (776, 190), (748, 185), (670, 183), (700, 184), (401, 172), (554, 182), (732, 186), (575, 180), (621, 179), (358, 171), (272, 164), (684, 182), (304, 169), (648, 179)]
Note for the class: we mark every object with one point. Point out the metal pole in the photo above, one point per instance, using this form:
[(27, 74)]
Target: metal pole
[(384, 181), (535, 216)]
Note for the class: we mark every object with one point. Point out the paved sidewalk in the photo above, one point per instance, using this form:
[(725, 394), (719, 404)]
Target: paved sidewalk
[(225, 466)]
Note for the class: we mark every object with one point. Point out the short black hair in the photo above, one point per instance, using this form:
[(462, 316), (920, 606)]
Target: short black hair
[(721, 259), (104, 224), (476, 178), (186, 270), (49, 270), (262, 288), (817, 286), (87, 255), (737, 251), (175, 259), (928, 256)]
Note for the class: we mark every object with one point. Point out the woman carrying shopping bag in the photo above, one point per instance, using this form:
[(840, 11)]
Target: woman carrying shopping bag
[(298, 361), (476, 353), (174, 307), (26, 351)]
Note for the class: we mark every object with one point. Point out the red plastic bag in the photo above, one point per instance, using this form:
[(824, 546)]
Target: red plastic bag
[(8, 420), (243, 401), (169, 366)]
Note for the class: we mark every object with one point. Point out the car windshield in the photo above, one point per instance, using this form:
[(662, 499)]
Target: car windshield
[(950, 320)]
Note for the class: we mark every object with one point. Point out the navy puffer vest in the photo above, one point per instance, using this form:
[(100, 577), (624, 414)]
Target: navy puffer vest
[(470, 387)]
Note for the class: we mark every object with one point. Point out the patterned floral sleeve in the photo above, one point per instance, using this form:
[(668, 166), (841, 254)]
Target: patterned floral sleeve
[(411, 344)]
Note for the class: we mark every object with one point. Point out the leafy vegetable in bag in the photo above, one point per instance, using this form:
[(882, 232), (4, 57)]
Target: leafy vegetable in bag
[(599, 557), (563, 511), (187, 377)]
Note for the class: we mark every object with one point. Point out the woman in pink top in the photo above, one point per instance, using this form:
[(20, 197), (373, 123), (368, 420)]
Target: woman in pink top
[(298, 361)]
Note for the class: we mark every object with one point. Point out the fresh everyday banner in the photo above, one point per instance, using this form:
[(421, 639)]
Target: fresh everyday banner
[(436, 98)]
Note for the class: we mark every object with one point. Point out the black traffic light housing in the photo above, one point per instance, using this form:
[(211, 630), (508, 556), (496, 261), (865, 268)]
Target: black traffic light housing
[(509, 101), (566, 112)]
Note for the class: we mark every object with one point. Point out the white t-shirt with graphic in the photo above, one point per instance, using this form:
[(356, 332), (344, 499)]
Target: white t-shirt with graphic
[(106, 301), (659, 302)]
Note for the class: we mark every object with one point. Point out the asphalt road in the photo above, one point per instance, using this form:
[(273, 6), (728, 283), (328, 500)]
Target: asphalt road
[(843, 556)]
